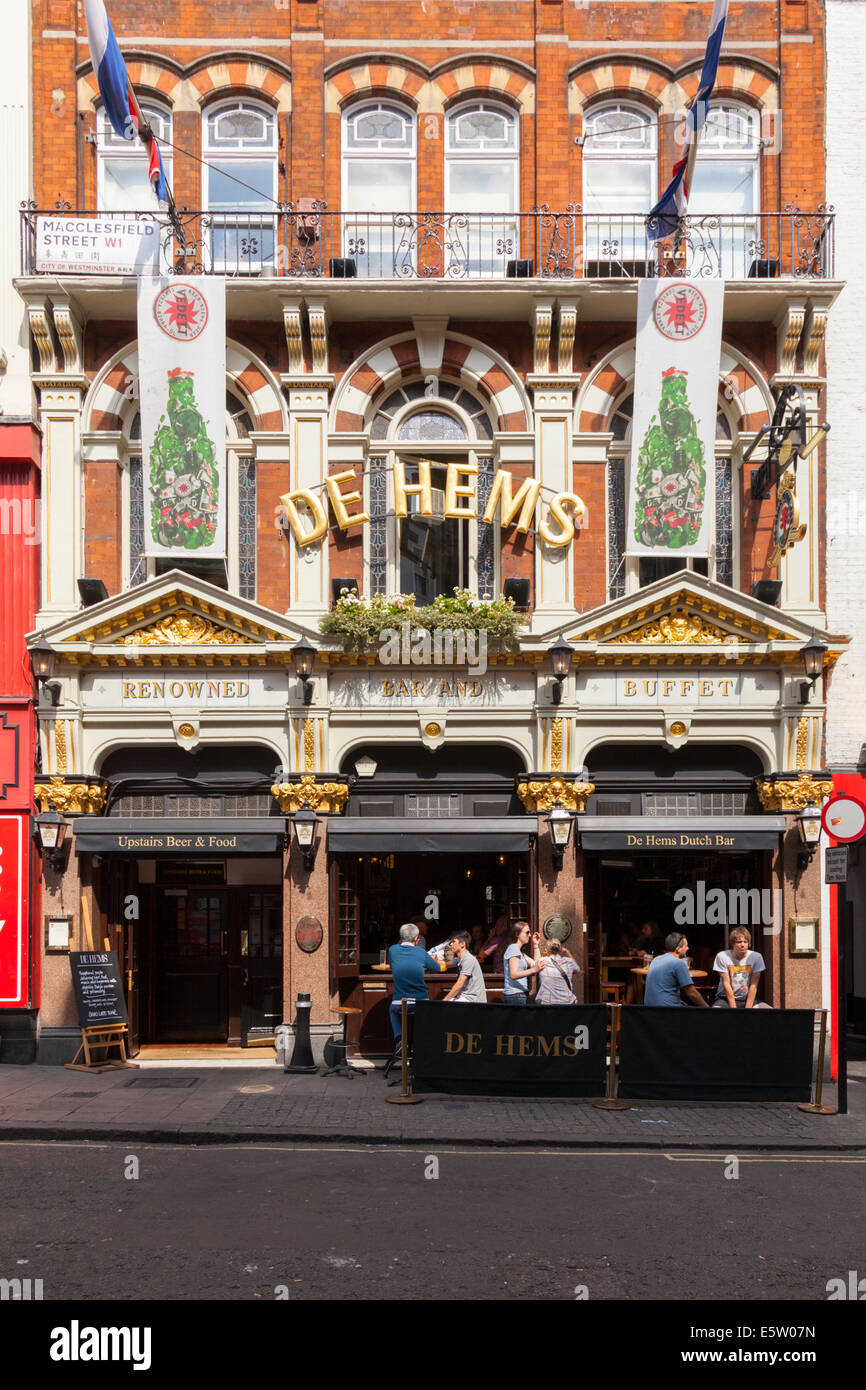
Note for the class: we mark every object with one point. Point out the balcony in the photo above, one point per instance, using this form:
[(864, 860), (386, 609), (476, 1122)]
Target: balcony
[(476, 248)]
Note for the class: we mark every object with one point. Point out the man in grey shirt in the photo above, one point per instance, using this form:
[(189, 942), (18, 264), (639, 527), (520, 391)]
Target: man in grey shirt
[(469, 987)]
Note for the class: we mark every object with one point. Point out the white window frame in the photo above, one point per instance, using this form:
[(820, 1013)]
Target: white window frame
[(110, 147), (406, 154), (626, 229), (733, 248), (453, 157), (226, 156)]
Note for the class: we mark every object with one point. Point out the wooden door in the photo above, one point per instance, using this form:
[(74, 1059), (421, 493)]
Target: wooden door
[(261, 945)]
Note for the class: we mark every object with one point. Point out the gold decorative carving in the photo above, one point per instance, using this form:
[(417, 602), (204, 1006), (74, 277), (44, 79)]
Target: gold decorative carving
[(69, 334), (309, 746), (543, 795), (329, 797), (318, 321), (567, 327), (71, 798), (184, 629), (791, 331), (802, 739), (556, 745), (543, 319), (186, 730), (793, 795), (39, 327), (60, 744), (815, 331), (432, 730), (294, 341), (678, 728), (675, 627)]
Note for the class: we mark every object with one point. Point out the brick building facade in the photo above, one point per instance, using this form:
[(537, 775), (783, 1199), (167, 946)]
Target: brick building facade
[(430, 218)]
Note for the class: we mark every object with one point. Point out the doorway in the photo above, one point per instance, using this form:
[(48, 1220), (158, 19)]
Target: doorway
[(211, 965)]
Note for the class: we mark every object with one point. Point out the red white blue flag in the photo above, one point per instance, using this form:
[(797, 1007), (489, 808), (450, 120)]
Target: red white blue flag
[(156, 173), (672, 206), (110, 71)]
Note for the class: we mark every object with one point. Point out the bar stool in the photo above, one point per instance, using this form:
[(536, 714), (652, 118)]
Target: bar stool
[(613, 992), (336, 1050)]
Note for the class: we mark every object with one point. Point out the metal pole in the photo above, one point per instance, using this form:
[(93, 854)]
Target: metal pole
[(841, 999), (610, 1101), (814, 1107), (404, 1097)]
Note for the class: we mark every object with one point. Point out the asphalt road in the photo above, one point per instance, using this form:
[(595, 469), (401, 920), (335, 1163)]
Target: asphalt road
[(247, 1223)]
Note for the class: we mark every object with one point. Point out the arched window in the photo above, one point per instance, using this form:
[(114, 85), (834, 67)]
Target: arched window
[(482, 181), (625, 574), (378, 185), (726, 184), (619, 186), (122, 179), (240, 146), (420, 427)]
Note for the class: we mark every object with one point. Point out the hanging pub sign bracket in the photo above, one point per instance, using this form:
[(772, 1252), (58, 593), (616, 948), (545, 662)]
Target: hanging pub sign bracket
[(786, 441)]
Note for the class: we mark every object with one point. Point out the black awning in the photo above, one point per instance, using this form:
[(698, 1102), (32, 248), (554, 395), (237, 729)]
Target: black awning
[(665, 833), (164, 835), (466, 835)]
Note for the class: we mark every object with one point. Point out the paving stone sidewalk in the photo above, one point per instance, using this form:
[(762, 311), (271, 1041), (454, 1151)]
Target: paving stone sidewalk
[(236, 1103)]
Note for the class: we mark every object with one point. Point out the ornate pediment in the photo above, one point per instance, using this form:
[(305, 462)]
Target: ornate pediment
[(676, 627), (169, 619)]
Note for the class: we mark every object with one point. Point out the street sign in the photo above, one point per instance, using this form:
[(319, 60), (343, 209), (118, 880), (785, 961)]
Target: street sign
[(836, 864), (844, 818)]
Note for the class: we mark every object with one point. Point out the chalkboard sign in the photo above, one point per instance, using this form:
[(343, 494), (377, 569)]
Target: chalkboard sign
[(98, 988)]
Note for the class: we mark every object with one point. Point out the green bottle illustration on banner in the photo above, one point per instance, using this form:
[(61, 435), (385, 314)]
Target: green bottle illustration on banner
[(670, 490), (184, 481)]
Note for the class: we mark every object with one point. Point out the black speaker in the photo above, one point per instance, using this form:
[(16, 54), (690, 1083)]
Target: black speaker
[(767, 591), (338, 584), (764, 270), (518, 589), (519, 270), (343, 268)]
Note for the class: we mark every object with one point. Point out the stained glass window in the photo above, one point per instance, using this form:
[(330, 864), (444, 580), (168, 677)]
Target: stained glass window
[(247, 527), (378, 531)]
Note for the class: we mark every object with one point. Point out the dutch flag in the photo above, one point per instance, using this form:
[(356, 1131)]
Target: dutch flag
[(672, 205), (110, 71)]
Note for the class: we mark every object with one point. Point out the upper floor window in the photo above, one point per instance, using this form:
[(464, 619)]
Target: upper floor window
[(726, 184), (240, 147), (482, 180), (378, 182), (619, 181), (122, 178)]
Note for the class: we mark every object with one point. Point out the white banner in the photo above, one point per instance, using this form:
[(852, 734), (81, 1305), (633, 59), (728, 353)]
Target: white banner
[(182, 381), (98, 245), (676, 390)]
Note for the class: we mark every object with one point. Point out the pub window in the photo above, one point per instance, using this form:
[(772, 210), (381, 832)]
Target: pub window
[(240, 147), (122, 183), (438, 423), (378, 185), (625, 574), (237, 571), (619, 186)]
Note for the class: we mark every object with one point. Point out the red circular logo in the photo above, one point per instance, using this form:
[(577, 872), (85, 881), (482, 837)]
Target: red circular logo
[(181, 312), (680, 312), (309, 934)]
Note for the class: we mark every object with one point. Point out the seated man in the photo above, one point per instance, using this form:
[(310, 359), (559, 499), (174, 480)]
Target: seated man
[(739, 970), (668, 975), (408, 963)]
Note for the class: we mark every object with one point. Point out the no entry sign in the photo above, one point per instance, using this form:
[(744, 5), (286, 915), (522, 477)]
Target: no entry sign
[(14, 912), (844, 817)]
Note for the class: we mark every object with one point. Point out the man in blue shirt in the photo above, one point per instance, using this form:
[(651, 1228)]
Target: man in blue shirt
[(668, 975), (408, 963)]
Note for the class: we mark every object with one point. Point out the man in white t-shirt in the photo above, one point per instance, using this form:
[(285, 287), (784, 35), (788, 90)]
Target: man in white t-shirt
[(739, 970), (469, 987)]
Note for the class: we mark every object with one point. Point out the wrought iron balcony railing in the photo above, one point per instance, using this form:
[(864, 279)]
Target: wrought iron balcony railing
[(311, 242)]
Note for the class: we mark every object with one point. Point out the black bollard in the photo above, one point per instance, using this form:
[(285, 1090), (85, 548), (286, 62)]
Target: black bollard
[(302, 1056)]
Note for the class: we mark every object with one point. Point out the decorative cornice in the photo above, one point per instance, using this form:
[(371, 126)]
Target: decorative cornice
[(328, 797), (70, 798), (542, 794), (793, 795)]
